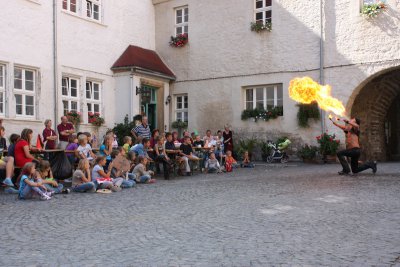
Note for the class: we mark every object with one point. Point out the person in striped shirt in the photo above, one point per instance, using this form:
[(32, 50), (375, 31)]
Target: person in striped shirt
[(142, 130)]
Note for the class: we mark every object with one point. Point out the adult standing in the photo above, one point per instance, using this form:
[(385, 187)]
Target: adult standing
[(65, 129), (49, 135), (142, 130), (228, 139), (353, 150)]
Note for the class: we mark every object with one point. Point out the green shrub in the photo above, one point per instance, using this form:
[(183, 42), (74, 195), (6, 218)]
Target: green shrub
[(306, 112), (124, 129)]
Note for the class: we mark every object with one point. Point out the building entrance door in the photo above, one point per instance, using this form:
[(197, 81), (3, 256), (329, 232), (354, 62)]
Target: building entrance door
[(148, 103)]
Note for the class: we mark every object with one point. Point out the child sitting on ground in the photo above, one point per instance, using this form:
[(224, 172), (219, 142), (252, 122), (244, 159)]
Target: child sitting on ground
[(81, 179), (212, 164), (127, 143), (118, 155), (143, 176), (45, 176), (28, 188), (230, 162), (84, 150), (103, 179), (246, 163), (132, 159)]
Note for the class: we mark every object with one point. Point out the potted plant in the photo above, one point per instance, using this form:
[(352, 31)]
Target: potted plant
[(179, 125), (306, 112), (124, 129), (246, 145), (74, 117), (265, 150), (262, 114), (308, 153), (179, 41), (372, 10), (95, 119), (260, 26), (329, 146)]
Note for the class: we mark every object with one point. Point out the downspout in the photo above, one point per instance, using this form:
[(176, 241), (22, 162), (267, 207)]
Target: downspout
[(55, 62), (131, 91), (321, 60)]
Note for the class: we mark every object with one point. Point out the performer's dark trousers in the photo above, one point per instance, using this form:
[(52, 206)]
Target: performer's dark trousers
[(354, 154)]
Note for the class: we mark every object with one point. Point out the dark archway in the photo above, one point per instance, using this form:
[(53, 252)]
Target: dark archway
[(378, 107)]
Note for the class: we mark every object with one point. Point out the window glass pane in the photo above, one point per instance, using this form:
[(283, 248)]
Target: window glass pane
[(29, 107), (249, 95), (186, 102), (65, 107), (259, 16), (259, 3), (179, 30), (279, 96), (1, 76), (74, 105), (29, 83), (270, 97), (88, 91), (186, 117), (268, 3), (73, 5), (260, 98), (64, 86), (96, 12), (96, 91), (186, 29), (65, 4), (179, 102), (268, 14), (249, 105), (186, 15), (18, 102), (179, 16), (74, 89), (89, 107), (96, 107), (88, 9), (2, 102), (17, 78)]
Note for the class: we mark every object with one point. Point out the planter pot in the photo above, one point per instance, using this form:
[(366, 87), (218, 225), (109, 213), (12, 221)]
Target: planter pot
[(329, 158), (310, 161)]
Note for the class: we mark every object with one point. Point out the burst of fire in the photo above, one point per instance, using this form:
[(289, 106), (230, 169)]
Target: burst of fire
[(305, 90)]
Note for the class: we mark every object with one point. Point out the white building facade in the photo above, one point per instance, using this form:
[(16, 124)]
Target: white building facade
[(62, 55)]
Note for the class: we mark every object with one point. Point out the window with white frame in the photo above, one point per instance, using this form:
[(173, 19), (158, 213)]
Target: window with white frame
[(24, 91), (2, 87), (263, 11), (181, 20), (93, 97), (70, 94), (264, 97), (93, 9), (181, 108), (69, 5)]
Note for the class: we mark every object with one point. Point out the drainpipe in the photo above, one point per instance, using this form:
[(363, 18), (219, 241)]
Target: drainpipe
[(321, 59), (55, 61), (131, 92)]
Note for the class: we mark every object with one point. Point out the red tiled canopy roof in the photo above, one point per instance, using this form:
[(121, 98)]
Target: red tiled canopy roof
[(146, 59)]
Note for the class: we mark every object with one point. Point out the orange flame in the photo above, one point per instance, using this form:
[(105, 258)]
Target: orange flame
[(305, 90)]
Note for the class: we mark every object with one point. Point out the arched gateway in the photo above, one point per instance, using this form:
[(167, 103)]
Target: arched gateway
[(377, 104)]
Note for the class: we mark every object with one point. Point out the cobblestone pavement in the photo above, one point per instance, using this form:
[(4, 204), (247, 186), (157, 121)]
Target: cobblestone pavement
[(276, 215)]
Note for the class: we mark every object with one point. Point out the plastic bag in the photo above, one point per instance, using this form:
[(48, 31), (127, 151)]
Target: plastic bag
[(284, 145), (61, 166)]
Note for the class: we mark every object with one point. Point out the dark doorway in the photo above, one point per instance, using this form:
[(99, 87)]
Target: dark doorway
[(392, 131), (149, 105)]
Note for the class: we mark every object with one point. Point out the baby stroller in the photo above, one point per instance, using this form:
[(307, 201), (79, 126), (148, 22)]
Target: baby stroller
[(277, 151)]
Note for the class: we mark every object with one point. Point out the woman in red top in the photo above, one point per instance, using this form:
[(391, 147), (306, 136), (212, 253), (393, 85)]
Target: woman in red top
[(49, 135), (23, 147)]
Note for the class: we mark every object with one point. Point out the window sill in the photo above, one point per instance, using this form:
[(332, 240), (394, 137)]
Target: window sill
[(23, 119), (76, 15), (35, 2)]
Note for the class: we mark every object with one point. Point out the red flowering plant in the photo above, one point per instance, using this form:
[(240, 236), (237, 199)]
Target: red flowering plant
[(328, 143), (179, 41), (74, 117), (95, 119)]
